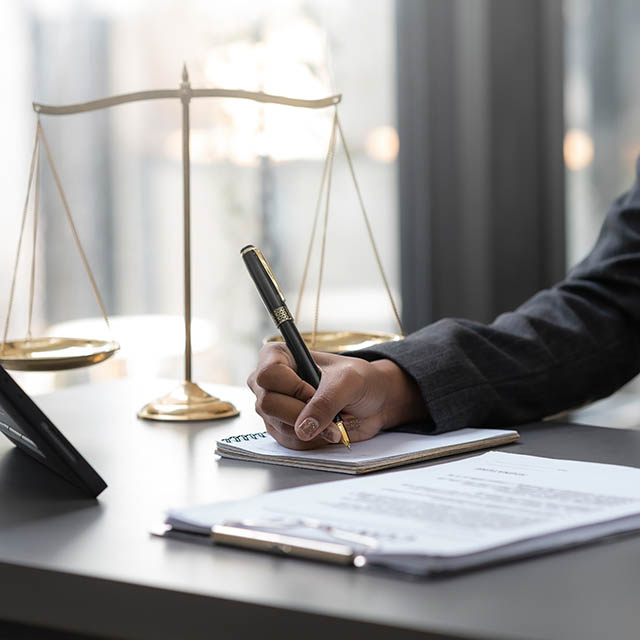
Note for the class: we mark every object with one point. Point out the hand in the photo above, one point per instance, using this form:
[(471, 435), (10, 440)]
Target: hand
[(370, 396)]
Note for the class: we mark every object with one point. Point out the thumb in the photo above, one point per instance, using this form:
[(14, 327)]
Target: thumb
[(329, 399)]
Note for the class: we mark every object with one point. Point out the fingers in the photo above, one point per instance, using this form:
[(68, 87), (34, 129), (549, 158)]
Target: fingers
[(285, 435), (283, 399), (282, 379), (357, 430), (280, 412), (276, 372), (279, 407), (281, 415), (280, 396), (334, 393), (274, 353)]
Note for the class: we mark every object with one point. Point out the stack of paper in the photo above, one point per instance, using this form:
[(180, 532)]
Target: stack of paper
[(446, 517), (385, 450)]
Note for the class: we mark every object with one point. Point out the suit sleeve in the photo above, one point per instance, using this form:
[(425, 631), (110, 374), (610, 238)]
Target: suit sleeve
[(568, 345)]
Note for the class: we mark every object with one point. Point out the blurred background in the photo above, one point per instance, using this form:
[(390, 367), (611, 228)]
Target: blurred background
[(488, 137), (256, 170)]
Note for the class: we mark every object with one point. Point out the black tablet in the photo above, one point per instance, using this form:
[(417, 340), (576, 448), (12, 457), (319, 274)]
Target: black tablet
[(30, 430)]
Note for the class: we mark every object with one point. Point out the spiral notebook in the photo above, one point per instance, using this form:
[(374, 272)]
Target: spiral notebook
[(389, 449)]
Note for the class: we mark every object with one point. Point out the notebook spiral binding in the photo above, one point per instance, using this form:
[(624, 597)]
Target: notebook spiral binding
[(246, 437)]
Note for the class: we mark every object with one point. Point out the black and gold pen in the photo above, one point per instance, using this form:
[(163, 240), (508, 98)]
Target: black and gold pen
[(274, 301)]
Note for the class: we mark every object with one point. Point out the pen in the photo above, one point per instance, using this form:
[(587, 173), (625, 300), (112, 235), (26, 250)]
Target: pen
[(274, 301)]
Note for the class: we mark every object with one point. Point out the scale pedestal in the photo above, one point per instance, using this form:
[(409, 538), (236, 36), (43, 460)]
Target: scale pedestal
[(187, 402)]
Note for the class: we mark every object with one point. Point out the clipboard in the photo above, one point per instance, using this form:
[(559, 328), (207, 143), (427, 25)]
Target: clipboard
[(239, 535)]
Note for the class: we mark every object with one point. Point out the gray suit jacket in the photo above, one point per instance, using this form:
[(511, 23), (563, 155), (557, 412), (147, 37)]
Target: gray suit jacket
[(568, 345)]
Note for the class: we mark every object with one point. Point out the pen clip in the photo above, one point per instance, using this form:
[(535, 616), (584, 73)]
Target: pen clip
[(267, 268)]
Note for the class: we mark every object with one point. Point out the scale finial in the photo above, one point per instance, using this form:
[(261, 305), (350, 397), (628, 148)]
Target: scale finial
[(185, 73)]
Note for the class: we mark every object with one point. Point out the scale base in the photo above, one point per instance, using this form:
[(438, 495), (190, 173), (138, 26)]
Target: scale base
[(187, 403)]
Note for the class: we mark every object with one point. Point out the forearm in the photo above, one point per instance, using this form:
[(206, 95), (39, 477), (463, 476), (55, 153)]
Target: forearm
[(477, 375), (565, 346)]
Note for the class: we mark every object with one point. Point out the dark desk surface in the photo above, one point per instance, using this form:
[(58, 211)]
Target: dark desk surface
[(91, 567)]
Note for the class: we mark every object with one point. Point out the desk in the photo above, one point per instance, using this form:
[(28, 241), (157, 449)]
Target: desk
[(71, 564)]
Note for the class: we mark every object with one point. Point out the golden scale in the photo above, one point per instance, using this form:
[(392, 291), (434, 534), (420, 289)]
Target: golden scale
[(188, 402)]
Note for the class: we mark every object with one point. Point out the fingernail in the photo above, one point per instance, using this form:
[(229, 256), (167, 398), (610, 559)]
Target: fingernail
[(309, 426)]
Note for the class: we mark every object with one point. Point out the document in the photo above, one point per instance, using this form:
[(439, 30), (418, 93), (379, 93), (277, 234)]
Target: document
[(388, 449), (449, 516)]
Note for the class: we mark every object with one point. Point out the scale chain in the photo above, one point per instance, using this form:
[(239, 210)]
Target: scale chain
[(324, 228), (368, 224), (74, 231), (36, 207), (327, 171), (34, 156), (315, 223)]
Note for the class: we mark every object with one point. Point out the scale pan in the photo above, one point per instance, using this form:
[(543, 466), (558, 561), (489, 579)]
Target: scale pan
[(54, 354), (343, 341)]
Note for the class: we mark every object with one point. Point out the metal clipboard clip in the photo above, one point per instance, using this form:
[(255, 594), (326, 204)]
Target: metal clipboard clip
[(261, 536)]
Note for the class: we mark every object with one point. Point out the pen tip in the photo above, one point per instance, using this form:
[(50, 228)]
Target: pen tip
[(343, 433)]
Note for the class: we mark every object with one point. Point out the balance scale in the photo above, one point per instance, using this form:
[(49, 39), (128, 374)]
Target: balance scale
[(187, 402)]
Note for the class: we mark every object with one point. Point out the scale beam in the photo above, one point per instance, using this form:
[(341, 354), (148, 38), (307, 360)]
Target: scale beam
[(163, 94)]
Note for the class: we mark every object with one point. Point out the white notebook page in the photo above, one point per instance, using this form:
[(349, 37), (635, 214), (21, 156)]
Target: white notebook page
[(383, 446)]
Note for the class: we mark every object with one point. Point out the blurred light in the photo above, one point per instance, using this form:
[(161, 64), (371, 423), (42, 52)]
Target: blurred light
[(234, 66), (632, 153), (382, 143), (286, 61), (51, 9), (48, 9), (578, 149)]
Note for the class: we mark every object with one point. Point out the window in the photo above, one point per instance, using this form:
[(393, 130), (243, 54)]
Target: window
[(602, 140), (255, 170), (602, 112)]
